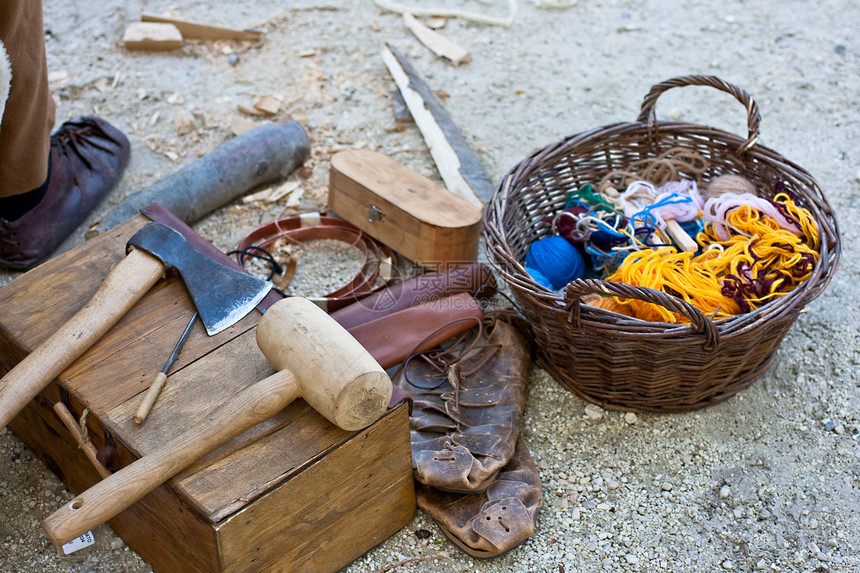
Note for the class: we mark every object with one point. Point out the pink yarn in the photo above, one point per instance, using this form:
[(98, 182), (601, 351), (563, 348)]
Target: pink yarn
[(716, 208)]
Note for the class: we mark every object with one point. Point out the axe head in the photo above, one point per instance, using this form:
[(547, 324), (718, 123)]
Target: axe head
[(222, 295)]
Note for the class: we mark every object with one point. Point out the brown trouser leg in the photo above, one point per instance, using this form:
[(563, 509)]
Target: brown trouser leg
[(25, 129)]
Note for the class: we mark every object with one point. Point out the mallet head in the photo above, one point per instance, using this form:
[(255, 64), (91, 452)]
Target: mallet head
[(335, 374)]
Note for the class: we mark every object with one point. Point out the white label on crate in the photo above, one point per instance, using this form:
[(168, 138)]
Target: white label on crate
[(84, 540)]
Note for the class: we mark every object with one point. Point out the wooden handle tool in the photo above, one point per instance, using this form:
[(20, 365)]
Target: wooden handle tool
[(316, 359), (161, 378), (222, 295), (126, 283)]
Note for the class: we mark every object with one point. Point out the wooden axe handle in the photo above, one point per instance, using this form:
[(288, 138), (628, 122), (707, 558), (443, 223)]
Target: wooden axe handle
[(110, 496), (126, 283)]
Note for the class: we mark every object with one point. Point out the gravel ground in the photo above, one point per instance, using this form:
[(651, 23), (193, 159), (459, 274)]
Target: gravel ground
[(767, 481)]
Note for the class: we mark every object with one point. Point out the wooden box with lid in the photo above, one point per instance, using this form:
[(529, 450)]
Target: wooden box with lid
[(421, 220)]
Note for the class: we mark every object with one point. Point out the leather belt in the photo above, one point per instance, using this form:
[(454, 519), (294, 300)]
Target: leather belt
[(378, 263)]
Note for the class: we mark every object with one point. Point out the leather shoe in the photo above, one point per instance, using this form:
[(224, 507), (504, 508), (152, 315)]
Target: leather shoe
[(88, 156), (492, 522), (468, 404)]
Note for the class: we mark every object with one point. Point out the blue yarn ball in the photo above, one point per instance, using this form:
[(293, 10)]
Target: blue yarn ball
[(539, 277), (555, 260)]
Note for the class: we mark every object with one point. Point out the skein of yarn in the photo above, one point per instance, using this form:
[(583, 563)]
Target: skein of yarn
[(728, 183), (553, 262)]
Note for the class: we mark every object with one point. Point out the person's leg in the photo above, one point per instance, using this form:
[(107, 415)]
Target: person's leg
[(25, 128), (49, 183)]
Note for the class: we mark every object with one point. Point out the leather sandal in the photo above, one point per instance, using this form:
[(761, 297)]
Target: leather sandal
[(468, 402), (493, 522)]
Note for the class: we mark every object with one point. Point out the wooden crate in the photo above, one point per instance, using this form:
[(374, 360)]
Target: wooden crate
[(292, 493), (421, 220)]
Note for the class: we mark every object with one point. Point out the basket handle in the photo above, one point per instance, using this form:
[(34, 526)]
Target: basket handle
[(580, 287), (646, 112)]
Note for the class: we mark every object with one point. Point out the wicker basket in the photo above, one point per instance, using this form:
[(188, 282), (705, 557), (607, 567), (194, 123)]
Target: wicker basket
[(624, 363)]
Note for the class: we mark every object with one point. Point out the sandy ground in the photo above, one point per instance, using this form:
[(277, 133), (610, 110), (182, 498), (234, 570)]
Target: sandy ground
[(767, 481)]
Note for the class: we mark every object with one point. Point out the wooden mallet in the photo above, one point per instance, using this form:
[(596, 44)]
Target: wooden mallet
[(315, 358)]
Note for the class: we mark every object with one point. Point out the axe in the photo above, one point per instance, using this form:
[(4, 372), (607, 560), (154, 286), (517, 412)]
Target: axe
[(222, 295)]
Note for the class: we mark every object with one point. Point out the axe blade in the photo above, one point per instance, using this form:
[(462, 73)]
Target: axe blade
[(222, 295)]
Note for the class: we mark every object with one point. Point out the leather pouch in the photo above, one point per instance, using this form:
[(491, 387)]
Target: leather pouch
[(396, 336)]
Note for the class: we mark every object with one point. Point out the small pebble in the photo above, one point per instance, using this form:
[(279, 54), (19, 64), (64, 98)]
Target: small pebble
[(632, 559), (728, 565), (725, 492), (630, 418), (593, 412), (829, 425), (233, 59), (813, 548)]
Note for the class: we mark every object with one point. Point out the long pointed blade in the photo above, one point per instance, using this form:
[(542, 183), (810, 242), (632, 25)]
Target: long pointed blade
[(459, 166), (222, 295)]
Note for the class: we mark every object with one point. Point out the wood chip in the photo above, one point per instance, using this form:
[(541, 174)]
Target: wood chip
[(267, 104), (436, 42), (436, 22), (239, 124), (183, 121), (151, 36), (249, 110)]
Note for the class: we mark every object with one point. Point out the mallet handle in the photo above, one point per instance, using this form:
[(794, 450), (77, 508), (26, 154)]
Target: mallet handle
[(110, 496), (126, 283)]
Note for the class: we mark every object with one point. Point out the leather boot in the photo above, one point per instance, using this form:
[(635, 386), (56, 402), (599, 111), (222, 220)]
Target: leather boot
[(493, 522), (468, 402)]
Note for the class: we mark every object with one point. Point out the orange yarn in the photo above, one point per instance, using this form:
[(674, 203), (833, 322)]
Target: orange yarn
[(758, 263)]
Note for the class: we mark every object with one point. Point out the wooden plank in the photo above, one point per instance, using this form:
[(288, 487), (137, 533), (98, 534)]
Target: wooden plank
[(121, 365), (190, 29), (243, 468), (366, 499), (151, 36), (190, 394), (233, 476), (437, 43)]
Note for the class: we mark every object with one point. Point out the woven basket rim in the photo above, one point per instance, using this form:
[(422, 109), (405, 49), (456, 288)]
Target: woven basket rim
[(496, 243)]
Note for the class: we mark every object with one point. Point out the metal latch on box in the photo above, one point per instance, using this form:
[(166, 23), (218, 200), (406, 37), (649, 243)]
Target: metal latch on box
[(374, 214)]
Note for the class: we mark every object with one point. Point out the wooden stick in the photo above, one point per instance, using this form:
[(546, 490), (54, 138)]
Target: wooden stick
[(444, 155), (191, 29), (684, 241), (78, 434), (436, 42)]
